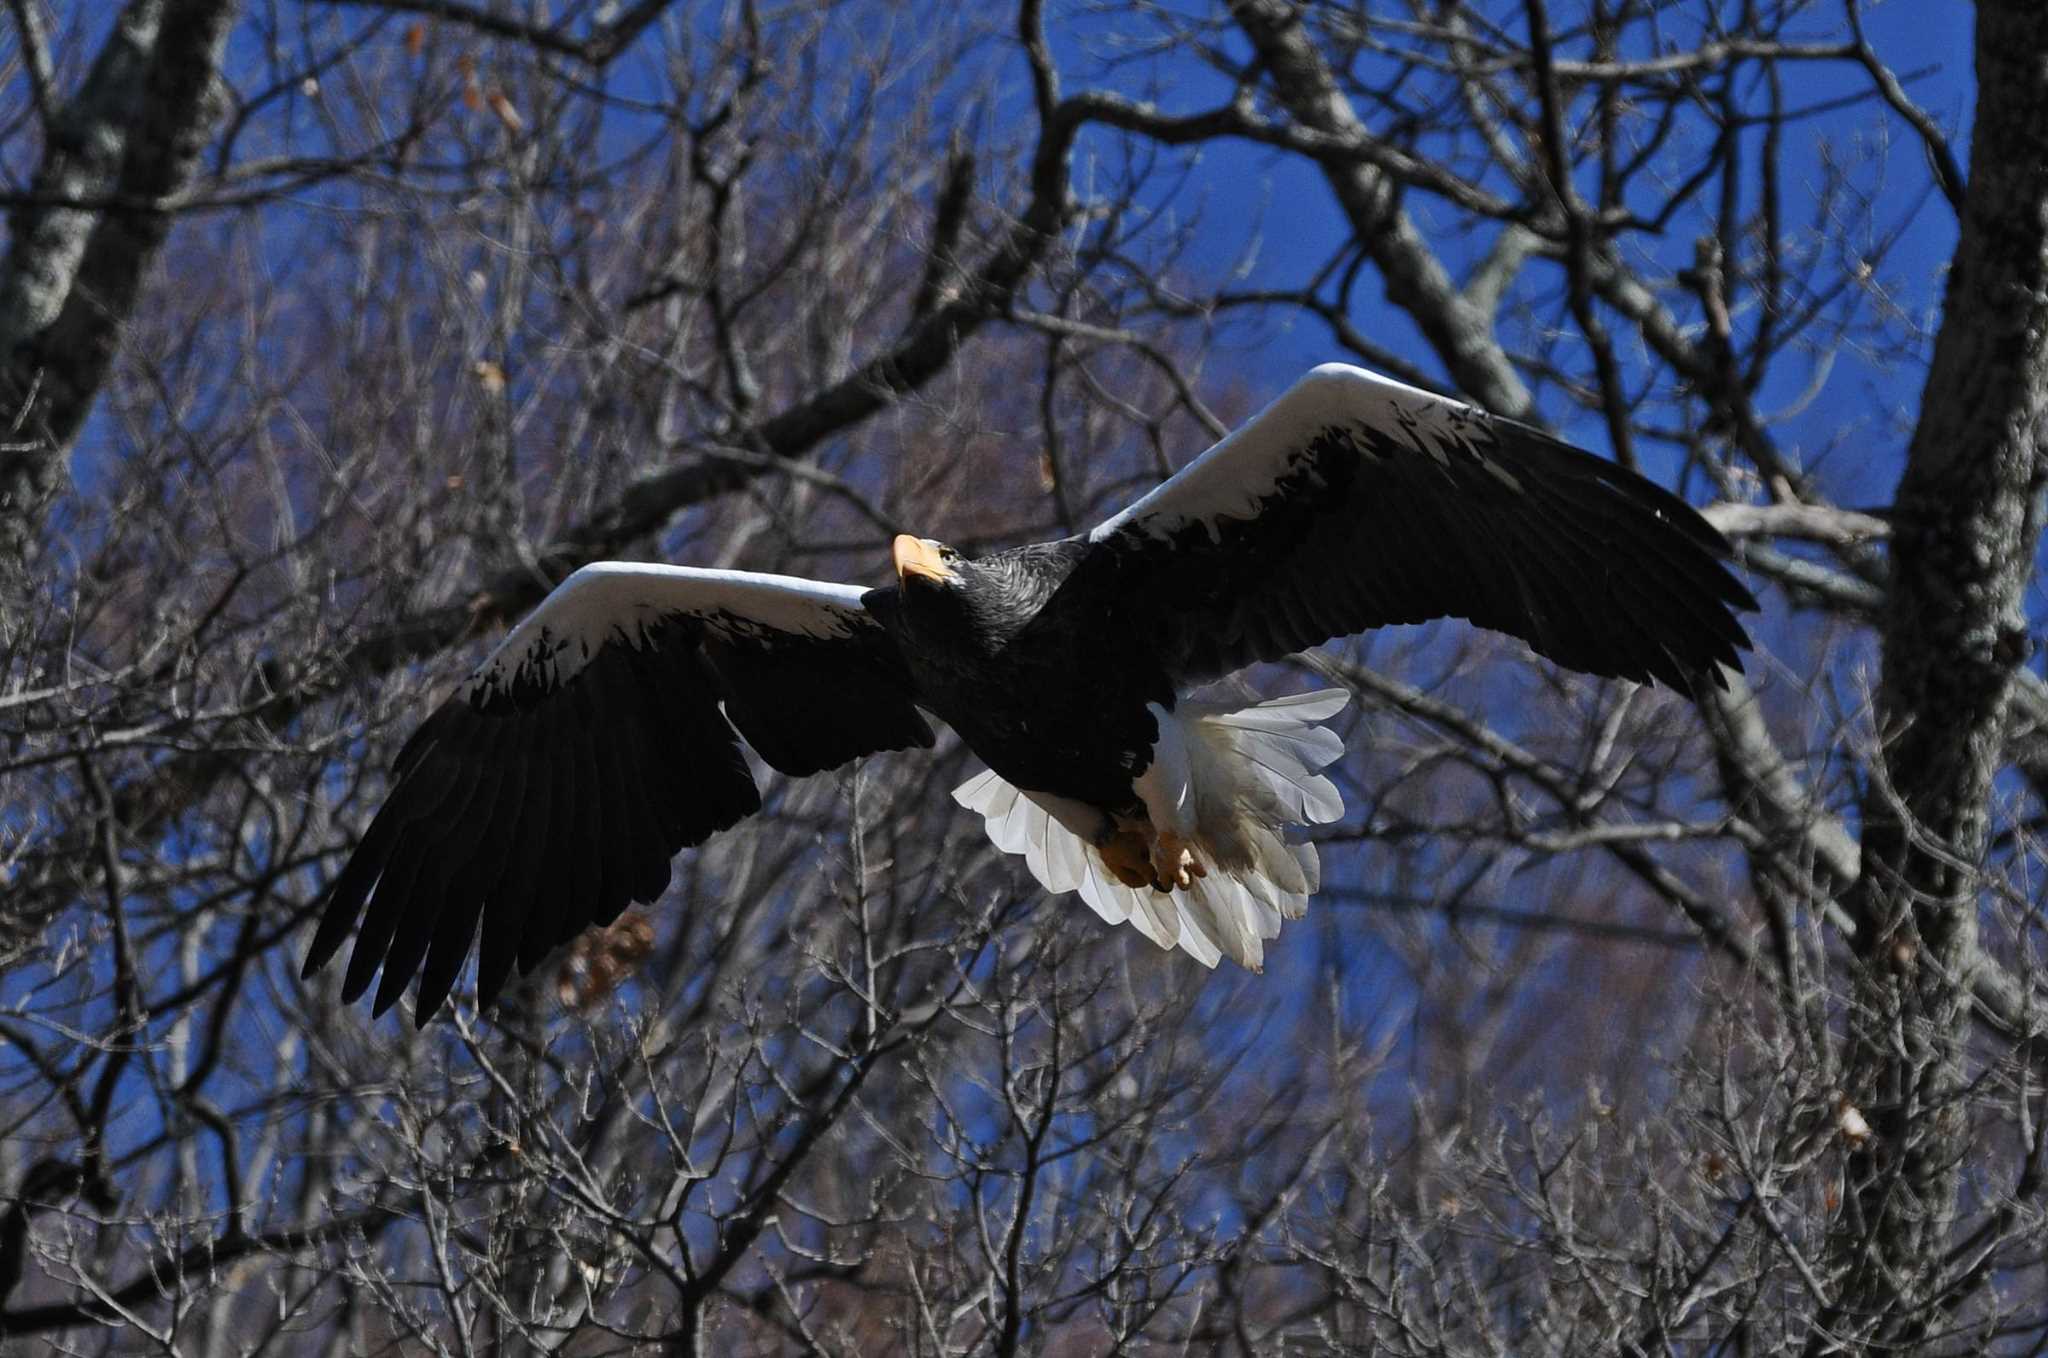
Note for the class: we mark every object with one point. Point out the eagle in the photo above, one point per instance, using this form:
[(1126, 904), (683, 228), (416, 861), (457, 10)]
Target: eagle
[(604, 733)]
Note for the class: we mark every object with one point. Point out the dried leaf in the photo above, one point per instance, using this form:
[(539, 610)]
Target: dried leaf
[(601, 959), (508, 115)]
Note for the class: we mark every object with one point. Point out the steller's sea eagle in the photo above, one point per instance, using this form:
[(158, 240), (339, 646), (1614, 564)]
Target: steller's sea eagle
[(603, 734)]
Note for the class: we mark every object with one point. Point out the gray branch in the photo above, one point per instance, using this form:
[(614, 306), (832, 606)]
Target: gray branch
[(1459, 331), (133, 132)]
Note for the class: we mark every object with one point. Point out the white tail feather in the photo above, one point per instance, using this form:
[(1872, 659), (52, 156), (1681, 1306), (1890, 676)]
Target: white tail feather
[(1233, 776)]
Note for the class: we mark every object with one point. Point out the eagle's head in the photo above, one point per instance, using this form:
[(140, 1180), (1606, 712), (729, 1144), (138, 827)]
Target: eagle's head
[(923, 565), (964, 604)]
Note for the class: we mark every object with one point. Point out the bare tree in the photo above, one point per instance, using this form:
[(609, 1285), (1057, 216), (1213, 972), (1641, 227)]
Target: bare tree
[(117, 152), (1626, 1021)]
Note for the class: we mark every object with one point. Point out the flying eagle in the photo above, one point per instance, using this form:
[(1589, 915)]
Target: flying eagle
[(603, 734)]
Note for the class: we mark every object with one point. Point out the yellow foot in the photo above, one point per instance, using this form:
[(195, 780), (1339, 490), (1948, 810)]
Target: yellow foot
[(1128, 858), (1138, 859), (1174, 864)]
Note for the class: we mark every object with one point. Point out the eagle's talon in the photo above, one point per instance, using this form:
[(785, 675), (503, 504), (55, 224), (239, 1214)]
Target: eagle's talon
[(1129, 859), (1141, 860), (1174, 863)]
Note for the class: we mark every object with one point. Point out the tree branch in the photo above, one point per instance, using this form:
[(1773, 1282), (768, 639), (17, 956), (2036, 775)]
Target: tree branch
[(134, 131)]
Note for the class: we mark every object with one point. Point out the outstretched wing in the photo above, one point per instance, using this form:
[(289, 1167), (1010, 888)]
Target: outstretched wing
[(560, 780), (1355, 501)]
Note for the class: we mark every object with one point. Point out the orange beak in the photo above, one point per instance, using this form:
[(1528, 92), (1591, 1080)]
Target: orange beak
[(919, 556)]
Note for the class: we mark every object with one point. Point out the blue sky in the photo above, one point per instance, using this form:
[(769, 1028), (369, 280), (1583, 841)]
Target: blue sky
[(1846, 418), (1852, 428)]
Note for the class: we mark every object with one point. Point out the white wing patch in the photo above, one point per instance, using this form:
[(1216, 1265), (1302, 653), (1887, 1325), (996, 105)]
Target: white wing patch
[(619, 600), (1235, 477), (1235, 776)]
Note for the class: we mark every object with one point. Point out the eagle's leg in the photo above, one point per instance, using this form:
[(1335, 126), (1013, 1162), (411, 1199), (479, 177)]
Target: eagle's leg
[(1174, 863), (1139, 858), (1127, 856)]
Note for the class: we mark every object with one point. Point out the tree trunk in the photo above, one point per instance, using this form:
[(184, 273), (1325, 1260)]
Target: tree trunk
[(97, 212), (1967, 520)]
